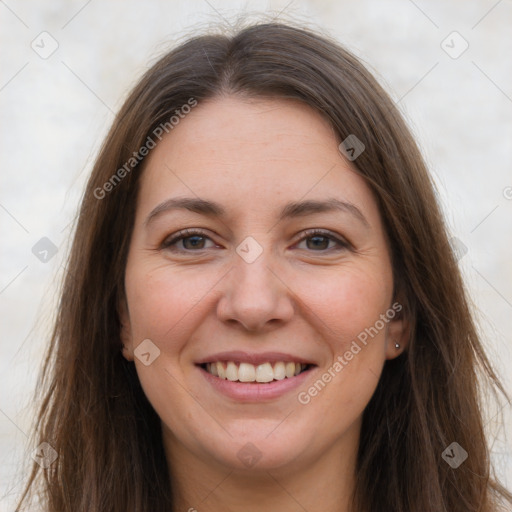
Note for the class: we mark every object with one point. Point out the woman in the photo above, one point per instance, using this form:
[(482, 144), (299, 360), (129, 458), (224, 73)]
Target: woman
[(262, 310)]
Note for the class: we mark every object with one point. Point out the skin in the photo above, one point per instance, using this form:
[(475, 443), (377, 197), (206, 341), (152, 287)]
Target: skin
[(252, 157)]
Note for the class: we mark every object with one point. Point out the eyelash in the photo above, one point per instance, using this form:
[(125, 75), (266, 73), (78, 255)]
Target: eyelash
[(309, 233)]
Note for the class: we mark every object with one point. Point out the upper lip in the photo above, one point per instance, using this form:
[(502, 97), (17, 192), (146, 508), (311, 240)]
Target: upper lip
[(239, 356)]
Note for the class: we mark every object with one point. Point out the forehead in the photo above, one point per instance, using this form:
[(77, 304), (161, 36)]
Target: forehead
[(251, 154)]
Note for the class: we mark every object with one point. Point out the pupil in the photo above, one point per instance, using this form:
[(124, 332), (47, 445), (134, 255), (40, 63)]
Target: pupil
[(322, 246), (196, 238)]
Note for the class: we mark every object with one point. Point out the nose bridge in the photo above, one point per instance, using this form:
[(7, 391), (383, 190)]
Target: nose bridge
[(252, 261), (253, 295), (255, 276)]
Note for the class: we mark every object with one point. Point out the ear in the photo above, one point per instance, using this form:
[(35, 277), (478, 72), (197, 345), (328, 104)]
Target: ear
[(126, 329), (398, 332)]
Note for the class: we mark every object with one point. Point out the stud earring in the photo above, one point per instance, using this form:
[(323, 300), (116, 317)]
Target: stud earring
[(397, 345)]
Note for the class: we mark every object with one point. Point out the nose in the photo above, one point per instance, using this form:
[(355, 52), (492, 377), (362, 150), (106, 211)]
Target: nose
[(254, 296)]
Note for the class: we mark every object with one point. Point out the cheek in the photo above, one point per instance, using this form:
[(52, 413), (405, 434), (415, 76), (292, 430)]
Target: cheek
[(162, 299), (351, 308), (347, 300)]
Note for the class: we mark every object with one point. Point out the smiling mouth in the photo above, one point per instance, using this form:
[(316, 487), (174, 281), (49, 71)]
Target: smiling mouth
[(261, 373)]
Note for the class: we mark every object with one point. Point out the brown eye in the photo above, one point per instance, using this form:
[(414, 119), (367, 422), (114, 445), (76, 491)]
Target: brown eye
[(191, 240), (318, 241)]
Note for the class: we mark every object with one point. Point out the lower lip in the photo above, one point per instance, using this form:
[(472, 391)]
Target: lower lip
[(255, 391)]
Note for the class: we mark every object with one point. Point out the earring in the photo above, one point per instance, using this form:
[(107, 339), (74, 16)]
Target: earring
[(397, 345)]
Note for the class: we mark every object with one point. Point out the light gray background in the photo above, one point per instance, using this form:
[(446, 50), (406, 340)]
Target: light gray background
[(55, 112)]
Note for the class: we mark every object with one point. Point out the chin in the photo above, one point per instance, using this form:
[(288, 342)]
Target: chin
[(261, 449)]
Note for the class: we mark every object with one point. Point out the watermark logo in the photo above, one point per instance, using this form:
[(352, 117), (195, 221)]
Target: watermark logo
[(249, 454), (458, 248), (45, 455), (351, 147), (44, 250), (249, 250), (454, 455), (454, 45), (146, 352), (45, 45)]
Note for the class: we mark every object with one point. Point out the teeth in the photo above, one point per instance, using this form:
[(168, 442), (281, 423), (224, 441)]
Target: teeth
[(279, 371), (232, 371), (220, 370), (246, 372), (264, 373)]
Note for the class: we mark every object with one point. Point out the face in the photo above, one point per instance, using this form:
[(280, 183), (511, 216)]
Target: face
[(259, 309)]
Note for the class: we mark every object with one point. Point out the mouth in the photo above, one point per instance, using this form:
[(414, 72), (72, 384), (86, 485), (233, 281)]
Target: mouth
[(253, 378), (264, 373)]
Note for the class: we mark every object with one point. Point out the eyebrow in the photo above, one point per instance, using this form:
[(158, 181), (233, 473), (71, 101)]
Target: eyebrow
[(290, 210)]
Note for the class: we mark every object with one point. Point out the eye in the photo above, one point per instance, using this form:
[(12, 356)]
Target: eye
[(318, 240), (192, 239)]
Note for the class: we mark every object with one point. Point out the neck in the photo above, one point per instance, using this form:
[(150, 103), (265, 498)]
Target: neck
[(326, 483)]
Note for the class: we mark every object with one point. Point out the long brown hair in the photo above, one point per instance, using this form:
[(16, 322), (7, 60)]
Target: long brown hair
[(93, 410)]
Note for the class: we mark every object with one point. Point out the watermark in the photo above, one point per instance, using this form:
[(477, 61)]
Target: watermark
[(138, 156), (45, 45), (44, 250), (454, 455), (146, 352), (249, 454), (304, 397), (454, 45), (45, 455), (249, 250), (507, 193), (459, 249), (351, 147)]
